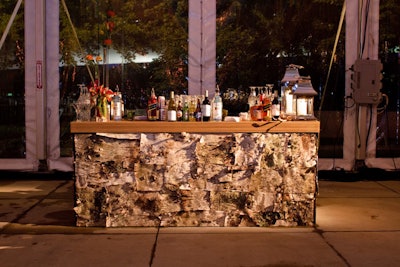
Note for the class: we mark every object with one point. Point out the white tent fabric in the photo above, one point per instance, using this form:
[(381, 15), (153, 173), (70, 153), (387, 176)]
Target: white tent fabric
[(33, 77), (42, 82), (202, 45), (362, 20)]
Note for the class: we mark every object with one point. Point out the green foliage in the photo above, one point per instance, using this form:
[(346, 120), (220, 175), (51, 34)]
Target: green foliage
[(12, 54), (255, 39)]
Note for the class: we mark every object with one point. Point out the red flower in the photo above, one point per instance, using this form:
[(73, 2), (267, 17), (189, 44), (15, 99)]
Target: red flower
[(107, 42), (110, 25), (110, 13)]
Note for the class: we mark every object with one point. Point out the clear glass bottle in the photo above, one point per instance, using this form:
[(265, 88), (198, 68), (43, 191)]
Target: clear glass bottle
[(185, 111), (252, 97), (192, 109), (217, 106), (117, 107)]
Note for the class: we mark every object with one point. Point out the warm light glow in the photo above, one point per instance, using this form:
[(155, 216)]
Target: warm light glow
[(10, 247), (22, 188)]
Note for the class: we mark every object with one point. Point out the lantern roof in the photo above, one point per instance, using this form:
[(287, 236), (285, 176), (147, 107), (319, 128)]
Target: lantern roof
[(292, 73), (304, 87)]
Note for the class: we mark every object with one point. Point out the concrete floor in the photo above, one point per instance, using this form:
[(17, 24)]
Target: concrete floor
[(358, 224)]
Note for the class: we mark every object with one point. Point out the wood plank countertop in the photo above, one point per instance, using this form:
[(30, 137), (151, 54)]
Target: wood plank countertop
[(195, 127)]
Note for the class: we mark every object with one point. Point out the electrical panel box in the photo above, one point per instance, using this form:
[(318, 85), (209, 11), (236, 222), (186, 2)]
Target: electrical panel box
[(366, 81)]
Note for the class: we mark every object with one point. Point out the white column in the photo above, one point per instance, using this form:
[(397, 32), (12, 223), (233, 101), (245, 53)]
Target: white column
[(362, 39), (54, 161), (194, 68), (202, 45)]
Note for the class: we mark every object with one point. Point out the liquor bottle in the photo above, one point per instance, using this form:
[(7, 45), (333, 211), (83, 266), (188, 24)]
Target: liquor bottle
[(152, 107), (171, 112), (206, 108), (251, 101), (123, 100), (265, 101), (192, 109), (275, 107), (256, 112), (197, 112), (217, 106), (185, 111), (179, 111), (162, 109), (116, 107)]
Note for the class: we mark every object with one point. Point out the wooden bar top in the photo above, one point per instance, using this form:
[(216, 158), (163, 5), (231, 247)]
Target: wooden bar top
[(195, 127)]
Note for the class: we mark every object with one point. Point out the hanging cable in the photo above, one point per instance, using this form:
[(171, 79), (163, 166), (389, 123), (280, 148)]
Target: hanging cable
[(333, 55), (10, 22)]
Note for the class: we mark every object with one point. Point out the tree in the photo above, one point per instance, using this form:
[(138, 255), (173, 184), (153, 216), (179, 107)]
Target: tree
[(12, 54), (265, 36)]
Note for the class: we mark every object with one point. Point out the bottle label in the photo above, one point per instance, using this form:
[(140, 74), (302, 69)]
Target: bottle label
[(179, 114), (206, 110), (153, 106), (217, 112), (152, 111), (117, 111), (275, 110), (197, 116), (163, 114), (171, 115)]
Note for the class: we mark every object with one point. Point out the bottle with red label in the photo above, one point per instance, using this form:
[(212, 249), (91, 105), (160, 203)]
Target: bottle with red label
[(152, 111)]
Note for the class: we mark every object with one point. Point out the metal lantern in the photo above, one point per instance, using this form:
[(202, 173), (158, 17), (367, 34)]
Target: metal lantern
[(304, 98), (288, 86)]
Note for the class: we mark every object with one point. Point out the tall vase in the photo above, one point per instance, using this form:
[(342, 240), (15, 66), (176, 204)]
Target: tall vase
[(102, 111)]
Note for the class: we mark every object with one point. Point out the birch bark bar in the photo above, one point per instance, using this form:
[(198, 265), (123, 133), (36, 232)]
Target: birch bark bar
[(191, 179)]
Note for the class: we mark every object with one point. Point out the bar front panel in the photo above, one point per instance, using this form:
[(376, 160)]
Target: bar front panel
[(195, 179)]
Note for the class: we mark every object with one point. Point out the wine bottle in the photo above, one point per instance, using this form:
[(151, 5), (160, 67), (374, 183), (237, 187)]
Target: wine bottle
[(179, 111), (275, 107), (206, 108), (197, 112), (171, 112)]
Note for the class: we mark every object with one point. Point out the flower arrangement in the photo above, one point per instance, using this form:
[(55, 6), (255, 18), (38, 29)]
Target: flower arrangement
[(100, 97)]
